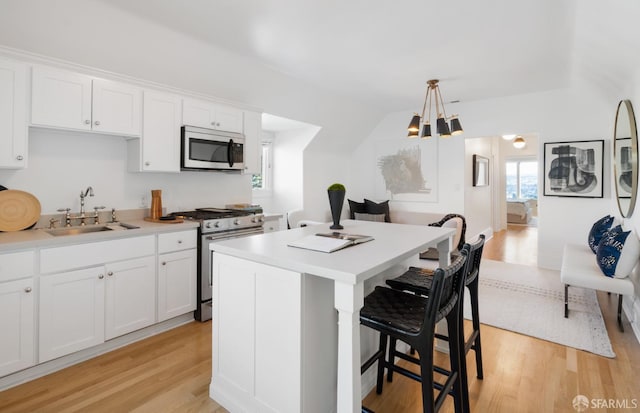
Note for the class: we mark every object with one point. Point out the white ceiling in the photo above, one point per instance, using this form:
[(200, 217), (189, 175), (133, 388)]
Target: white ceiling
[(383, 51)]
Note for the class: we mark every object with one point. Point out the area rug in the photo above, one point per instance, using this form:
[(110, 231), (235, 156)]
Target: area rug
[(530, 300)]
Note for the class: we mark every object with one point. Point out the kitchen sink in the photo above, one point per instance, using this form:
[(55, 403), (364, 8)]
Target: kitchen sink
[(90, 229), (78, 230)]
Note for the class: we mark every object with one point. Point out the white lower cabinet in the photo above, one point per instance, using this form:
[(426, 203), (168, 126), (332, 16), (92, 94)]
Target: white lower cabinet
[(83, 308), (86, 294), (176, 284), (130, 297), (71, 312), (17, 325)]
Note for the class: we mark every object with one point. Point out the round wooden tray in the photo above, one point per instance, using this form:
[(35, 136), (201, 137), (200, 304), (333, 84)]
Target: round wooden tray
[(18, 210)]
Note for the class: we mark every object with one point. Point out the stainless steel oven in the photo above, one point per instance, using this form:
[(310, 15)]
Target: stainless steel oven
[(217, 225)]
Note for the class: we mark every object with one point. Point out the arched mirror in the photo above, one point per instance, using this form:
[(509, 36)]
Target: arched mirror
[(625, 150)]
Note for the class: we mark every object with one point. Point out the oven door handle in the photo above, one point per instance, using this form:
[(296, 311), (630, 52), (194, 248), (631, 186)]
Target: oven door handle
[(234, 234)]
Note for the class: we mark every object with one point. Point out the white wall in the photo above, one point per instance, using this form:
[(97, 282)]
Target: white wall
[(450, 183), (288, 168), (61, 164), (127, 45), (479, 201), (559, 115)]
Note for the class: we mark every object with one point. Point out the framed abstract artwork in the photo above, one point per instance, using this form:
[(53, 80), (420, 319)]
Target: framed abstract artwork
[(574, 169)]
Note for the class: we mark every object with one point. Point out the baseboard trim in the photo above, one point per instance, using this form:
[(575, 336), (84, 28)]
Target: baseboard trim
[(43, 369)]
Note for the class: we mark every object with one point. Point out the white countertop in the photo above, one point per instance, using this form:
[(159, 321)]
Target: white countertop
[(392, 244), (39, 237)]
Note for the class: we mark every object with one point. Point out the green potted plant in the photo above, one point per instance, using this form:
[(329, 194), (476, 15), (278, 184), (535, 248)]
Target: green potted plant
[(336, 200)]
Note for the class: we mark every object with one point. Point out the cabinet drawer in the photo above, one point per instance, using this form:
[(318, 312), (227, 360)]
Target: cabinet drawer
[(83, 255), (176, 241), (16, 265)]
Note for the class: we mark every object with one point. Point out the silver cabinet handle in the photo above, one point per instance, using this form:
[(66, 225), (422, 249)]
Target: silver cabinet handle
[(147, 163), (164, 263), (87, 122), (27, 290), (101, 276), (110, 273), (179, 241), (19, 157), (218, 124), (213, 124), (97, 123)]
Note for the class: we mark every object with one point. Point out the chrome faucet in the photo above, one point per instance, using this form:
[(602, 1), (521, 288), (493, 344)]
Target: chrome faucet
[(88, 191)]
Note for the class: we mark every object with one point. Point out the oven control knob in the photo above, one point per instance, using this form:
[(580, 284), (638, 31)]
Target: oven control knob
[(261, 218), (254, 220), (216, 225), (208, 225), (236, 222)]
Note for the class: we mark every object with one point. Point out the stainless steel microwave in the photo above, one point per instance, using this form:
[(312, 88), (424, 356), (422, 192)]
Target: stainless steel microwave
[(211, 150)]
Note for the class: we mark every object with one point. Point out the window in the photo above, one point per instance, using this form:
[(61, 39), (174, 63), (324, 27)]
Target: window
[(263, 181), (522, 179)]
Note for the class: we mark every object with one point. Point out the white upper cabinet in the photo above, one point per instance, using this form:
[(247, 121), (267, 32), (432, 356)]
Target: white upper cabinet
[(253, 146), (70, 100), (211, 115), (117, 107), (159, 148), (13, 114)]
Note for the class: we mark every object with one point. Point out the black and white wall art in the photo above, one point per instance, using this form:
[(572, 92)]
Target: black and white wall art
[(574, 168)]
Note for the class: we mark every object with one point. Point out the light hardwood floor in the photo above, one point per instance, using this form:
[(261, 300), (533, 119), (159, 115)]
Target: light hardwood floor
[(170, 372)]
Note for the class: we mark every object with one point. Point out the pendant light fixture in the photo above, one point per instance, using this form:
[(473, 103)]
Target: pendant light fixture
[(442, 127)]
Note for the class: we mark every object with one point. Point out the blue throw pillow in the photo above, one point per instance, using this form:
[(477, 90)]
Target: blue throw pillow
[(618, 252), (597, 231)]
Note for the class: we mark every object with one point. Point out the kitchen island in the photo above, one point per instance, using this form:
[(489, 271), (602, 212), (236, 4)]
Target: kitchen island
[(278, 344)]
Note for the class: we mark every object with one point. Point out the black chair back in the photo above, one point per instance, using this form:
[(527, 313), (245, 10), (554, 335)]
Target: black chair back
[(463, 231), (475, 255), (445, 290)]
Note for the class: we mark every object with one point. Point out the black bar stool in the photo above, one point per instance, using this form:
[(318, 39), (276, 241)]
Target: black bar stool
[(418, 281), (412, 319)]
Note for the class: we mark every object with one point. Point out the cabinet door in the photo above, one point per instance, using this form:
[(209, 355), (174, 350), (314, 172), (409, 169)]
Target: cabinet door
[(71, 312), (161, 120), (16, 324), (198, 113), (130, 296), (253, 146), (13, 114), (211, 115), (176, 284), (60, 99), (228, 119), (117, 108)]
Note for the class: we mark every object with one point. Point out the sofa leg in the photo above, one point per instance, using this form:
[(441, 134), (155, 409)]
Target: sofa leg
[(566, 301), (620, 312)]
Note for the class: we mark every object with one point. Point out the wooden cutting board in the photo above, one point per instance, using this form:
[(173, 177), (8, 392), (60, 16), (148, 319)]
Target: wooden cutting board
[(18, 210)]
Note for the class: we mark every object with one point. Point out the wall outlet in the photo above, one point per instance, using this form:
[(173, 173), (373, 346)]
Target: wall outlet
[(143, 202)]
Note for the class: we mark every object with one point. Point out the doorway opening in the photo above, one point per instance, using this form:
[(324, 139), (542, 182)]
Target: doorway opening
[(521, 179)]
